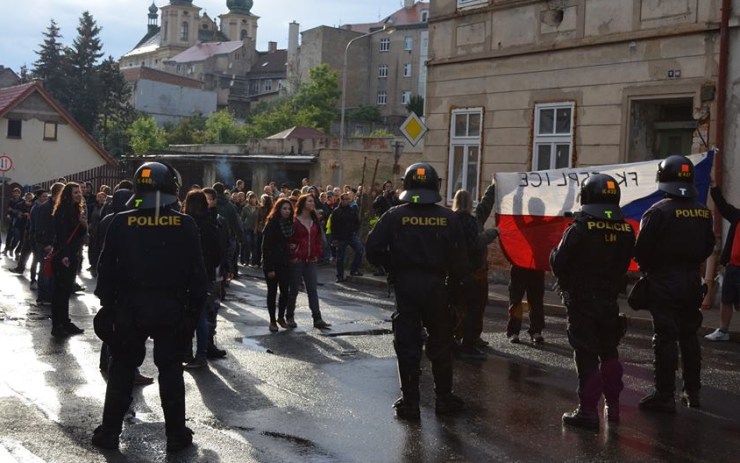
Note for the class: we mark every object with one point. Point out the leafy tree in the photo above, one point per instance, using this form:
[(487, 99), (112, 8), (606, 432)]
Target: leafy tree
[(145, 136), (416, 104), (380, 133), (52, 65), (365, 113), (116, 112), (319, 97), (187, 131), (222, 127), (84, 82)]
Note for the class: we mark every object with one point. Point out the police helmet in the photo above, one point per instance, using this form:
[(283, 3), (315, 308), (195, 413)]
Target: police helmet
[(676, 176), (420, 184), (155, 185), (600, 197)]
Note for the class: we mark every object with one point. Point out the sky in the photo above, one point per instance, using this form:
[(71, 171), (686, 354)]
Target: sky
[(124, 22)]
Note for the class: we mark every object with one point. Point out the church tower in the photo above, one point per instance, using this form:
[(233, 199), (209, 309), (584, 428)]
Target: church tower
[(239, 23), (180, 20), (152, 23)]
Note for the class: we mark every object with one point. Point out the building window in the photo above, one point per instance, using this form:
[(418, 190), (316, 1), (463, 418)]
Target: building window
[(464, 163), (164, 27), (424, 16), (407, 70), (385, 44), (406, 97), (553, 136), (243, 34), (408, 43), (471, 3), (268, 85), (383, 71), (184, 31), (50, 131), (382, 98), (14, 128)]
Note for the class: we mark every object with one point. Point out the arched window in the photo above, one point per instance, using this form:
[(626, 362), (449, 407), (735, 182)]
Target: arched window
[(243, 34), (184, 31)]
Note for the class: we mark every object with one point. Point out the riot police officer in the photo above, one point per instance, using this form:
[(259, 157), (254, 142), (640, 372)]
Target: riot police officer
[(590, 263), (422, 245), (151, 281), (675, 238)]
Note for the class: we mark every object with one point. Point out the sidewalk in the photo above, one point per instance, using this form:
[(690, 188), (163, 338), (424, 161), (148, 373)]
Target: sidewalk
[(498, 294)]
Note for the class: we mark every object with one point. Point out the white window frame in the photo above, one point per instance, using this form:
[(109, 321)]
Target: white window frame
[(408, 43), (462, 4), (383, 71), (385, 45), (406, 97), (407, 69), (268, 85), (424, 16), (382, 98), (552, 139), (467, 145)]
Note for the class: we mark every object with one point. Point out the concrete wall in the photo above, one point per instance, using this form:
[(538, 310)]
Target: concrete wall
[(168, 103), (731, 155), (36, 160)]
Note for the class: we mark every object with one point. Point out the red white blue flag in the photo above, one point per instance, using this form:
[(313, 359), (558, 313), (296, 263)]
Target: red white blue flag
[(531, 207)]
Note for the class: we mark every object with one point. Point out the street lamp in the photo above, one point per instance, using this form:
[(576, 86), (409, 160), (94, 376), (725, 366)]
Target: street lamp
[(387, 29)]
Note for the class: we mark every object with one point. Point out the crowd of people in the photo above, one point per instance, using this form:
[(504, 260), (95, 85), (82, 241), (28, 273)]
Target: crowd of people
[(436, 258)]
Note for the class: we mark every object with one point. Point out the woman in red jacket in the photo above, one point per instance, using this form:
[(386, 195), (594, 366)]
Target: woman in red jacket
[(306, 248)]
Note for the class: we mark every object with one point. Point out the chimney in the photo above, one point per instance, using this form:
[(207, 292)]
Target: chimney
[(271, 46), (292, 64), (408, 3)]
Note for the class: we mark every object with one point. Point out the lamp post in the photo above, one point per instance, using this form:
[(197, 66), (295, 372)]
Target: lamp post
[(386, 29)]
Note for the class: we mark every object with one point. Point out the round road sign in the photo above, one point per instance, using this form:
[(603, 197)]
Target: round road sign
[(5, 163)]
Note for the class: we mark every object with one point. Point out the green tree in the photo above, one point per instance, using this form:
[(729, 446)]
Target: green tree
[(145, 137), (319, 97), (222, 127), (52, 65), (115, 110), (84, 79), (187, 131), (365, 113), (416, 105)]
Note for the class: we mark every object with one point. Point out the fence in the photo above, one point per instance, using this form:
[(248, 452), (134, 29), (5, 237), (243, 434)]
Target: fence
[(98, 176)]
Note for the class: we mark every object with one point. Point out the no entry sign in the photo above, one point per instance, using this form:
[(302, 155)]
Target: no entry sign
[(5, 163)]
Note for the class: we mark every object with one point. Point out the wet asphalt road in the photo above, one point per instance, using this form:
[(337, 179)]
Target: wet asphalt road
[(311, 396)]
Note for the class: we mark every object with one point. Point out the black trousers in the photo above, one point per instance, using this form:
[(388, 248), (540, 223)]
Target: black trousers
[(593, 332), (531, 282), (422, 300), (282, 282), (64, 279), (128, 351)]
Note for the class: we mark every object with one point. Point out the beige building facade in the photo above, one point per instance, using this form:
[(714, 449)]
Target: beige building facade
[(517, 85)]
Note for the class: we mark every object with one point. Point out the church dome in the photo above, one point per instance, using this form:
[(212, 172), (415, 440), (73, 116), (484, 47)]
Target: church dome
[(153, 8), (239, 6), (181, 2)]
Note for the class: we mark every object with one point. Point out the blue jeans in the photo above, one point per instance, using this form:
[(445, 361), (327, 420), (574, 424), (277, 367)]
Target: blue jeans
[(305, 271), (247, 246), (356, 245)]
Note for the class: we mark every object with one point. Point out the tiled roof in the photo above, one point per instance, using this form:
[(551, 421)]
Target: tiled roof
[(270, 62), (147, 45), (11, 96), (402, 17), (203, 51), (303, 133), (145, 73)]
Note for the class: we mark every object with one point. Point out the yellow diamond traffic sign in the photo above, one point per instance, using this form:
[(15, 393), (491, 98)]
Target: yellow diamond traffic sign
[(413, 129)]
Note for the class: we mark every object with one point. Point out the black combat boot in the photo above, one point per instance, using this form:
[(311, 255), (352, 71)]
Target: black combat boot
[(106, 438), (658, 402), (407, 406), (581, 418), (214, 352), (611, 377)]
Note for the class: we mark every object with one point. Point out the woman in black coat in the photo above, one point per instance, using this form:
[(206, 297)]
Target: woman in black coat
[(70, 227), (276, 259)]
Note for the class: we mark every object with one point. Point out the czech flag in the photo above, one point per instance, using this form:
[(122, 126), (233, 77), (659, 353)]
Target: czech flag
[(533, 208)]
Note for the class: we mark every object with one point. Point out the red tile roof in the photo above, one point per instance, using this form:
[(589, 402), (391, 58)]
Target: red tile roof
[(10, 97), (402, 17)]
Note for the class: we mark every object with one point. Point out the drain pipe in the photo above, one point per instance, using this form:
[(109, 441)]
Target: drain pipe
[(724, 53)]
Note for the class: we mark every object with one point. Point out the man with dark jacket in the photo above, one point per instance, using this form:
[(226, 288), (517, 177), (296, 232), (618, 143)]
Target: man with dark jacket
[(345, 226), (152, 282), (386, 200), (42, 230), (228, 211), (675, 237)]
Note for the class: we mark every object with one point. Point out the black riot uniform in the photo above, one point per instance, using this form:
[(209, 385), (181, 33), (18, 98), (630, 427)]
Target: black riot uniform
[(423, 247), (152, 281), (590, 263), (675, 238)]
